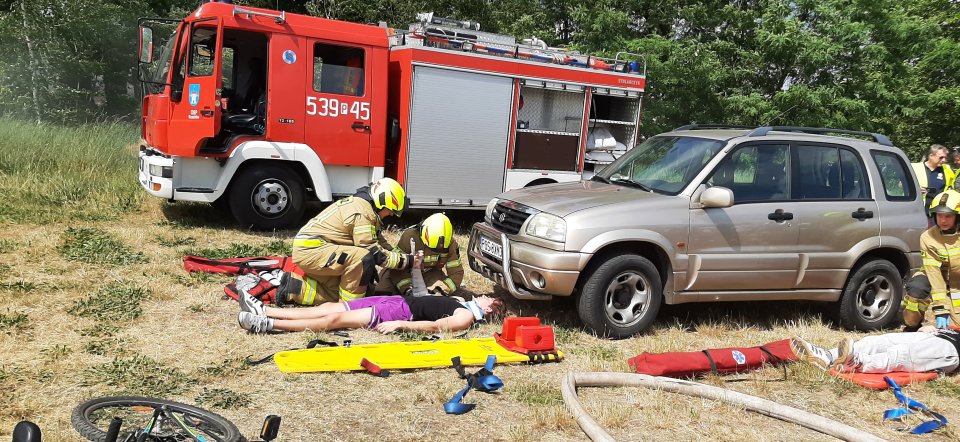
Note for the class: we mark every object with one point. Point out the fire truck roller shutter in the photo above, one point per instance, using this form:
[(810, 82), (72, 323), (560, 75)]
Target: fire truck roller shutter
[(460, 124)]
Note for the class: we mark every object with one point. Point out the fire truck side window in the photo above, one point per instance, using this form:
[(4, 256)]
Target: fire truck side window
[(338, 69), (202, 47)]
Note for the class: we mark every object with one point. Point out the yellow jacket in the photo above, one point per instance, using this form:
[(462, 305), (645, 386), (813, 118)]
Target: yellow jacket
[(941, 264), (350, 221), (448, 261), (920, 169)]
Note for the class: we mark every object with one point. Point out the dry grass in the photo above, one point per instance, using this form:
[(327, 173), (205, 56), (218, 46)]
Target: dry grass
[(119, 315)]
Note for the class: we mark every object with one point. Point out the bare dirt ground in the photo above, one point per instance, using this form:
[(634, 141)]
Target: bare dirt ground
[(103, 307)]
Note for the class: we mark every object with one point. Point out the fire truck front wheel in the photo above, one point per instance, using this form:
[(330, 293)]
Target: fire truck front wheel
[(266, 197)]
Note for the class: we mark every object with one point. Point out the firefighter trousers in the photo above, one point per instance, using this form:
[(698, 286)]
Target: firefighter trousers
[(352, 268), (400, 281), (910, 352)]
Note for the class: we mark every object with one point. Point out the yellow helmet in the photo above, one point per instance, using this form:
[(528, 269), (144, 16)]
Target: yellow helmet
[(946, 202), (436, 232), (389, 194)]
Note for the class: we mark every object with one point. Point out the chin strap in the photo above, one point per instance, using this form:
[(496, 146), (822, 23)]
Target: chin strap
[(483, 380), (910, 405)]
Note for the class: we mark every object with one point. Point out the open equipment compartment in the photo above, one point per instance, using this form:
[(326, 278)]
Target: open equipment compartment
[(612, 126), (549, 126)]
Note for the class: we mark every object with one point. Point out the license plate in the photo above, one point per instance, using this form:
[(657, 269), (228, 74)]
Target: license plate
[(491, 248)]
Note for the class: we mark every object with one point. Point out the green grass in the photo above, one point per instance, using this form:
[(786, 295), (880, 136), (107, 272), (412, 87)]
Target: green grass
[(138, 375), (13, 321), (176, 241), (535, 393), (221, 398), (95, 246), (115, 302), (236, 250), (51, 173), (20, 286)]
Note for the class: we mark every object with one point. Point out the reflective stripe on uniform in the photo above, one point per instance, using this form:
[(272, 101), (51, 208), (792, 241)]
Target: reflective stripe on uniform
[(943, 254), (364, 229), (393, 260), (454, 263), (931, 262), (941, 296), (310, 289), (347, 296), (450, 285), (308, 242), (403, 283)]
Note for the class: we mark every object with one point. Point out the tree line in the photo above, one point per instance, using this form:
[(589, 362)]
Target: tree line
[(876, 65)]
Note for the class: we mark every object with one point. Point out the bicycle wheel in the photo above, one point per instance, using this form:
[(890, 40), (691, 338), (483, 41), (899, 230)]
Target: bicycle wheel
[(92, 419)]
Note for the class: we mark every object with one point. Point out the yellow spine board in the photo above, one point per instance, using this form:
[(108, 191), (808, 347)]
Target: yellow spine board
[(397, 355)]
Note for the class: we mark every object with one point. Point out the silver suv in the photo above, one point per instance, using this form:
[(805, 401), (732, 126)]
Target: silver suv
[(715, 213)]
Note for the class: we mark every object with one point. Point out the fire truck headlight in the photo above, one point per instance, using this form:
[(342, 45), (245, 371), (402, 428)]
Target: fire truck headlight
[(488, 213), (547, 226), (161, 171)]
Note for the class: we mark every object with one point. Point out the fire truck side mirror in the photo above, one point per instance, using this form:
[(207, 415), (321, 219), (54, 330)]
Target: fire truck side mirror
[(146, 45)]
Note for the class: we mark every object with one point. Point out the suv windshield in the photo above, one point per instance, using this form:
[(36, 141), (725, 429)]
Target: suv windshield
[(662, 164)]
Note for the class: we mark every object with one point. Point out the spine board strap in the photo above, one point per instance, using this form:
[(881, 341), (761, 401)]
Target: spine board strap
[(249, 361), (936, 421), (483, 380)]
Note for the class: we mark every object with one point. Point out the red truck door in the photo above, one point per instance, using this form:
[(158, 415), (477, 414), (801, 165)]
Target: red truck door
[(338, 103), (196, 115), (287, 75)]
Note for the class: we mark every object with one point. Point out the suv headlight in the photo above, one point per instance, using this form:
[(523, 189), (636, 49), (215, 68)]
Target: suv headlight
[(488, 212), (547, 226)]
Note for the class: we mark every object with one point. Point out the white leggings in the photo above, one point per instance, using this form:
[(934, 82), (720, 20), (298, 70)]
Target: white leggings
[(910, 352)]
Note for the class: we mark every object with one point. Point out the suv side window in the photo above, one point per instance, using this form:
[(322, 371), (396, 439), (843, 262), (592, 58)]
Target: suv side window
[(897, 181), (755, 173), (830, 172)]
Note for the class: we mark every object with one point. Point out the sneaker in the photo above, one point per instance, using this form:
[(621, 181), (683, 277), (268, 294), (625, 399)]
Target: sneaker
[(250, 304), (810, 353), (844, 353), (253, 323)]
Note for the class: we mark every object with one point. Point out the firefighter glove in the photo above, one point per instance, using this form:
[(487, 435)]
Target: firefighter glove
[(943, 321)]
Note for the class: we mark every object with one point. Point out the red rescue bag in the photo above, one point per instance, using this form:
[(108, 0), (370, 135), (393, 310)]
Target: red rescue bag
[(720, 360), (240, 266)]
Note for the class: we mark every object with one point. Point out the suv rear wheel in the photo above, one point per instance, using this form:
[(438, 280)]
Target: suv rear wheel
[(871, 298), (621, 297)]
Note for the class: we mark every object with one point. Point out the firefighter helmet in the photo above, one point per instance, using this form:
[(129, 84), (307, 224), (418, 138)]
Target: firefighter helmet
[(436, 232), (389, 194), (946, 202)]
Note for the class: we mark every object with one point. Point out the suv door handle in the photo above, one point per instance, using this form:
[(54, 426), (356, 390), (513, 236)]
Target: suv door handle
[(862, 214), (779, 216), (358, 125)]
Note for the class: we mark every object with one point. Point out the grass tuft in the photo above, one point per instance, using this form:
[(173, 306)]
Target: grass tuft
[(96, 246), (19, 286), (537, 394), (100, 330), (222, 398), (227, 367), (237, 250), (106, 346), (13, 322), (138, 375), (7, 245), (115, 302), (176, 241)]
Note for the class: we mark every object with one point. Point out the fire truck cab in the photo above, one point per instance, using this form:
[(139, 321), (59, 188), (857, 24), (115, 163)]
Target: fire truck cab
[(260, 111)]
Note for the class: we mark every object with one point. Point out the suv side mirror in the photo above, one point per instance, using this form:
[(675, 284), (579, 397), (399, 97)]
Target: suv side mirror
[(146, 45), (716, 197)]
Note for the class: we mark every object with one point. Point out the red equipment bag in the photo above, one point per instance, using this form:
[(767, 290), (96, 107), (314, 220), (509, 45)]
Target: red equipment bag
[(264, 291), (240, 266), (719, 361)]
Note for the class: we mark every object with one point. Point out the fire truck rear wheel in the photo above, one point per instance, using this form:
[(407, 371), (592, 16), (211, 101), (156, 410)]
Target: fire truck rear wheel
[(267, 197)]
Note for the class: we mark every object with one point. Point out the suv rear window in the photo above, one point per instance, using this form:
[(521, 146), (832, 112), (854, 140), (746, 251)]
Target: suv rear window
[(897, 181)]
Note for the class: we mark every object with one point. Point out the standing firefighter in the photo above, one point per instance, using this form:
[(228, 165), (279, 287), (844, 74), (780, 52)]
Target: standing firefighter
[(340, 248), (442, 270), (939, 285)]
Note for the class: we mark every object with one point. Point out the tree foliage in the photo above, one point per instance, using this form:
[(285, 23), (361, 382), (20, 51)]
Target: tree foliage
[(876, 65)]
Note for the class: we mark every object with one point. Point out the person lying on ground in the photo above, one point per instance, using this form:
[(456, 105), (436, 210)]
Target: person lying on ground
[(929, 349), (385, 314)]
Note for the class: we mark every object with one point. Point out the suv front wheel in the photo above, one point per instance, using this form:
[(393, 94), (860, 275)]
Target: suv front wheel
[(871, 298), (621, 297)]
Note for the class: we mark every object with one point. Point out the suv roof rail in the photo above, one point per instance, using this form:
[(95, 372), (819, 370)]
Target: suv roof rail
[(879, 138), (695, 126)]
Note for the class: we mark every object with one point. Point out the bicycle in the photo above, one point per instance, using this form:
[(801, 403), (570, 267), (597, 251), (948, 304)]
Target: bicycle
[(144, 419)]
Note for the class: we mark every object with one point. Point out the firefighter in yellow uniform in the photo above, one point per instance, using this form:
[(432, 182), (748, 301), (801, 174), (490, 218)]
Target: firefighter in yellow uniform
[(940, 249), (340, 248), (442, 269)]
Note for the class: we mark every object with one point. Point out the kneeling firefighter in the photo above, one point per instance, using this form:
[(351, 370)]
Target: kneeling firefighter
[(938, 285), (340, 248), (442, 270)]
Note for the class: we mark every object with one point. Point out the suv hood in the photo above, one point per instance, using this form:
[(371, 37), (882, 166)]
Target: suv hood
[(565, 198)]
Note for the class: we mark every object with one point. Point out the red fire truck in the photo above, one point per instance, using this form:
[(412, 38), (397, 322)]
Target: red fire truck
[(260, 111)]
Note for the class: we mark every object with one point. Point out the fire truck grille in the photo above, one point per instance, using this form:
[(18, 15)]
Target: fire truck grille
[(509, 219)]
